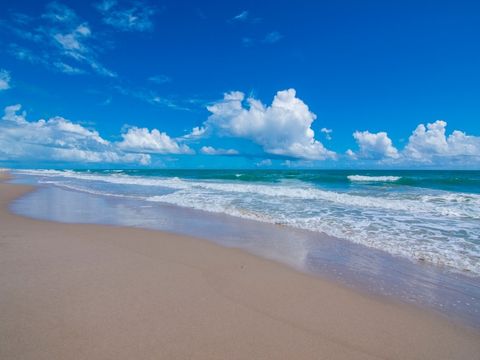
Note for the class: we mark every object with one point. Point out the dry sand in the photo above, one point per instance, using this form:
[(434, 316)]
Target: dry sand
[(101, 292)]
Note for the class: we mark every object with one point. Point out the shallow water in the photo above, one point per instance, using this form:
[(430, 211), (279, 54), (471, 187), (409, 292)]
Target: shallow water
[(356, 265), (432, 216)]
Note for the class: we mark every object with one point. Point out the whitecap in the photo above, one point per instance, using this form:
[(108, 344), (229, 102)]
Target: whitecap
[(365, 178)]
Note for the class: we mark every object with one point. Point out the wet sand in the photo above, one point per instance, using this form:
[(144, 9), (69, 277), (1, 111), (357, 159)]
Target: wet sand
[(72, 291)]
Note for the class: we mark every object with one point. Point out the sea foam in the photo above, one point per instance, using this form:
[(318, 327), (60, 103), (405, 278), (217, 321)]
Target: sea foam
[(441, 227), (373, 178)]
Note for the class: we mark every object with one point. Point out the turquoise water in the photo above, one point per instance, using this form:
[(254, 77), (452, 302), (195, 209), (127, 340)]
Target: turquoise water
[(458, 181), (427, 216)]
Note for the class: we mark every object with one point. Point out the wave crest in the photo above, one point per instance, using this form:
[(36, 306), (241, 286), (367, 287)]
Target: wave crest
[(365, 178)]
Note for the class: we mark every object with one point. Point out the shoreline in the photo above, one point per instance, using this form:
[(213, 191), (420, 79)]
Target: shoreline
[(119, 292), (362, 268)]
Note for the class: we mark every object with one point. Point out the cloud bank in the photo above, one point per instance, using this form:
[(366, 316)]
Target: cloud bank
[(281, 131), (57, 139), (429, 142), (428, 145)]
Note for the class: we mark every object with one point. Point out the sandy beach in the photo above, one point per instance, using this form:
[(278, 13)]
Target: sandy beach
[(102, 292)]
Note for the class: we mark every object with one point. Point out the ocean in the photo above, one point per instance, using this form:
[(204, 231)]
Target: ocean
[(426, 216)]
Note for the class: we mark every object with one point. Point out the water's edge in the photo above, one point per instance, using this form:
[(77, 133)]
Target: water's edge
[(354, 265), (411, 218)]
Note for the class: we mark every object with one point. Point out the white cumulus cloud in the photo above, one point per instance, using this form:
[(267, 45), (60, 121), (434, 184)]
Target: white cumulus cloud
[(327, 132), (56, 139), (427, 142), (208, 150), (196, 133), (373, 146), (351, 154), (282, 128), (154, 141)]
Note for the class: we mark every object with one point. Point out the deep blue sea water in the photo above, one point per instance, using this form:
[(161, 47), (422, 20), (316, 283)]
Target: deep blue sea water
[(428, 216)]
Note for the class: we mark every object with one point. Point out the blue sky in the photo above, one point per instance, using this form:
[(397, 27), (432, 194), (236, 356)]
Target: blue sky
[(360, 84)]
